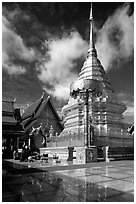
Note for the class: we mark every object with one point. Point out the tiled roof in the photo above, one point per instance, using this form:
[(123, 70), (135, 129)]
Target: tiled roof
[(43, 104), (33, 112), (9, 122), (7, 106), (28, 121), (8, 112), (31, 109), (11, 127), (29, 125), (8, 119), (24, 122)]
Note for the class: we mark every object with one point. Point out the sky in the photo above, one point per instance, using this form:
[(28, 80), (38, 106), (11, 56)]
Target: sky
[(44, 45)]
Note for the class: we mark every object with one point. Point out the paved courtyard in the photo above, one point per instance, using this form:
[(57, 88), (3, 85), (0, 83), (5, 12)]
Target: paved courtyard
[(101, 181)]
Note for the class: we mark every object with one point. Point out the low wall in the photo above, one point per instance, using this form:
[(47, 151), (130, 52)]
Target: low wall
[(62, 152), (121, 153), (82, 155)]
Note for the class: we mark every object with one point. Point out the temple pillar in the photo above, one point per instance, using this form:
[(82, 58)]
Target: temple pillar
[(29, 142), (17, 142), (86, 118)]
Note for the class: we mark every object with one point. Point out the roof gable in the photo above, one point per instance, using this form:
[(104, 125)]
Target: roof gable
[(55, 111), (43, 105), (32, 109)]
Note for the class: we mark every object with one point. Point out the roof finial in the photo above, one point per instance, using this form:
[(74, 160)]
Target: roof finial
[(49, 97), (91, 26), (43, 94), (91, 12), (14, 100), (92, 50)]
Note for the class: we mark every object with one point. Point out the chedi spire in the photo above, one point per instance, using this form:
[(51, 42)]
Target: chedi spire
[(92, 50)]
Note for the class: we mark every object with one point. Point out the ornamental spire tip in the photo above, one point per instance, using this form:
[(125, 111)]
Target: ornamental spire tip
[(92, 51), (91, 12)]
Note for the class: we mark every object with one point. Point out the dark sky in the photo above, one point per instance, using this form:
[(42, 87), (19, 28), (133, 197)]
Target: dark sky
[(30, 25)]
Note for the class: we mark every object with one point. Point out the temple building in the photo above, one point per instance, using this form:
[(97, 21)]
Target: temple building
[(41, 123), (94, 114)]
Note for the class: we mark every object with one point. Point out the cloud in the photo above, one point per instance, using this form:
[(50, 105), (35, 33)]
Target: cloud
[(61, 92), (115, 40), (127, 98), (13, 49), (58, 70), (129, 111), (129, 115), (16, 15), (129, 101)]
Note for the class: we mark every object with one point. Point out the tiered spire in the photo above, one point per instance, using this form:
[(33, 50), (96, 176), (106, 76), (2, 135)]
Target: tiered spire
[(91, 67), (92, 50), (91, 26)]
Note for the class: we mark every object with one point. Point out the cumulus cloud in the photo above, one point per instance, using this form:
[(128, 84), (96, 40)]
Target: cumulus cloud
[(129, 101), (61, 91), (13, 49), (129, 111), (115, 40), (58, 69), (16, 15), (129, 115), (127, 98)]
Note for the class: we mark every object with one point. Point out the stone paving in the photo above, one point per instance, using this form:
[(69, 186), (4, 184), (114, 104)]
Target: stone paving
[(101, 181)]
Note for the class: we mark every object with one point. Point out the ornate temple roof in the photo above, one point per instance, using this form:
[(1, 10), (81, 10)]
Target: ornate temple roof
[(8, 112), (33, 112), (7, 106), (32, 109), (10, 124)]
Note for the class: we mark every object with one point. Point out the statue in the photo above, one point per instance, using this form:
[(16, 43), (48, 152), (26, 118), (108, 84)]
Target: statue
[(51, 131), (36, 131)]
